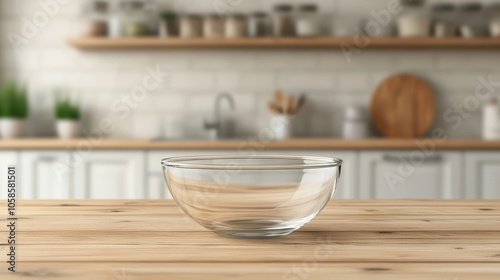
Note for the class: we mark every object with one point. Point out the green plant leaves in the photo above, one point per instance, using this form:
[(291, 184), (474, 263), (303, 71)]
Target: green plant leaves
[(64, 109), (13, 101)]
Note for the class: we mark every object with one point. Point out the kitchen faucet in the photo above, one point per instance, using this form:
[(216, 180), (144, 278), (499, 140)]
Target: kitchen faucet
[(223, 128)]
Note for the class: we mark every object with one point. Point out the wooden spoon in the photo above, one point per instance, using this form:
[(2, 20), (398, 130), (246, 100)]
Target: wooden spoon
[(274, 108), (300, 104)]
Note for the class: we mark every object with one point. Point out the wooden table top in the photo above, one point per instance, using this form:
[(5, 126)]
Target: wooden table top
[(352, 239)]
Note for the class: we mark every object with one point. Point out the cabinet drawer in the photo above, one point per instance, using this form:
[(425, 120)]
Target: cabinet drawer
[(411, 175)]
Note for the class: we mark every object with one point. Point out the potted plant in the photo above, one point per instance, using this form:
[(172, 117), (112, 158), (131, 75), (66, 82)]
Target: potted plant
[(13, 109), (169, 24), (67, 115)]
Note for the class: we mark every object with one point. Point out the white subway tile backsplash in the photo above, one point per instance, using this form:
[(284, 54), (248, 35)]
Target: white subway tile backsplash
[(306, 80), (410, 60), (92, 80), (293, 60), (332, 78), (472, 60), (227, 81), (222, 60), (352, 81), (191, 81), (258, 81)]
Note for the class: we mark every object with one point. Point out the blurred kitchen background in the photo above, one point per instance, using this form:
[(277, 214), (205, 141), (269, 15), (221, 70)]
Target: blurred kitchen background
[(321, 61)]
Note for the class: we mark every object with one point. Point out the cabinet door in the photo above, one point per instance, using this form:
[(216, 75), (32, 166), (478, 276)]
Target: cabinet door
[(411, 175), (157, 189), (7, 159), (46, 175), (111, 175), (483, 175)]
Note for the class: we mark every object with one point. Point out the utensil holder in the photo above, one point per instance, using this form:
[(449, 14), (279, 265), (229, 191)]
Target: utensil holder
[(282, 127)]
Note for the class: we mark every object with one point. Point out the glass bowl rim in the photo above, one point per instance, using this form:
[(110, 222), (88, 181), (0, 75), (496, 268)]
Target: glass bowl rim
[(317, 162)]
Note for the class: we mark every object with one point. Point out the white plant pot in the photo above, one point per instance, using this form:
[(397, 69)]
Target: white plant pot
[(11, 128), (282, 127), (68, 129)]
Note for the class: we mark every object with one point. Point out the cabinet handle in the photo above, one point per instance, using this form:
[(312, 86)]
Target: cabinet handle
[(426, 159), (47, 158)]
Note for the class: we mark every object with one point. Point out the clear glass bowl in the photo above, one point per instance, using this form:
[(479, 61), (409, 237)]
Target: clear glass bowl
[(252, 196)]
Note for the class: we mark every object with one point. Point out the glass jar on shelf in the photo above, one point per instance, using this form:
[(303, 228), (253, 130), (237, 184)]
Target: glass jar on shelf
[(138, 22), (130, 18), (258, 25), (472, 20), (169, 24), (283, 23), (191, 26), (95, 19), (235, 26), (444, 20), (213, 27), (307, 22), (494, 19), (414, 20)]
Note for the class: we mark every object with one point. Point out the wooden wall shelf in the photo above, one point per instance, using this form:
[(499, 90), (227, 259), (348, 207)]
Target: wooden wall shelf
[(326, 42)]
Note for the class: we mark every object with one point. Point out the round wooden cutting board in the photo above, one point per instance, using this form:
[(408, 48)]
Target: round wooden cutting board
[(403, 106)]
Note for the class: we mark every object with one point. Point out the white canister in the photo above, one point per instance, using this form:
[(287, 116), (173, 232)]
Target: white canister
[(355, 130), (213, 27), (495, 28), (11, 128), (68, 129), (282, 127), (191, 26), (355, 124), (235, 26), (307, 24), (490, 121), (414, 26)]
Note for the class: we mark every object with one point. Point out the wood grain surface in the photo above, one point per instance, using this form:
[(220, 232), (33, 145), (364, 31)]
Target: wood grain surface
[(252, 144), (403, 106), (334, 43), (359, 239)]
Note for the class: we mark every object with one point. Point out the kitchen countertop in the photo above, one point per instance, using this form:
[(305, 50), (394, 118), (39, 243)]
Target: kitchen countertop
[(141, 239), (246, 144)]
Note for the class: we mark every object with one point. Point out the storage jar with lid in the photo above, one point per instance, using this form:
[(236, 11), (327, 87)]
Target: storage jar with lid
[(169, 24), (213, 27), (258, 25), (235, 26), (134, 19), (472, 20), (191, 26), (494, 19), (444, 17), (118, 17), (355, 123), (414, 20), (283, 24), (307, 23), (95, 19)]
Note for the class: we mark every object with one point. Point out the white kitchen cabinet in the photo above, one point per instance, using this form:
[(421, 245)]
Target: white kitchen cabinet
[(7, 159), (409, 175), (45, 175), (111, 175), (482, 175)]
